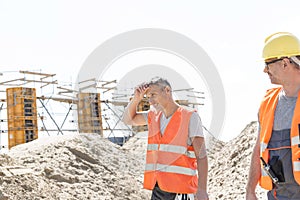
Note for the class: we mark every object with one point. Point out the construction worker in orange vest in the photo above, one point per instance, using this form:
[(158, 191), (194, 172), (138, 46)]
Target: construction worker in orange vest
[(275, 160), (176, 161)]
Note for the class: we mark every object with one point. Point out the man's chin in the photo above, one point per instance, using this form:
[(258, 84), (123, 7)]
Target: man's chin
[(157, 107)]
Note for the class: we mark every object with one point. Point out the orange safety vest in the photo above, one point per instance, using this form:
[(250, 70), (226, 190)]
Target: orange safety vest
[(266, 120), (170, 161)]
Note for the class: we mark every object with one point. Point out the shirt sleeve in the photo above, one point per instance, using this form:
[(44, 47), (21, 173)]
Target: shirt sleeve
[(196, 130), (195, 126), (145, 115)]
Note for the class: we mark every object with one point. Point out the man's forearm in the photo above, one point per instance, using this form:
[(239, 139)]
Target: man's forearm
[(202, 173), (130, 111), (255, 170)]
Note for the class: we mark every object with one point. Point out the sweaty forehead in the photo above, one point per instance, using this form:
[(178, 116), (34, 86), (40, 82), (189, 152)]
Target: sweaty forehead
[(153, 89)]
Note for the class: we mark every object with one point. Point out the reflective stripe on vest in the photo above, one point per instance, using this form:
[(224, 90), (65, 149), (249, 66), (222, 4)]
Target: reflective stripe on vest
[(266, 120), (263, 146), (172, 149), (263, 173), (264, 177), (295, 140), (296, 165), (170, 169)]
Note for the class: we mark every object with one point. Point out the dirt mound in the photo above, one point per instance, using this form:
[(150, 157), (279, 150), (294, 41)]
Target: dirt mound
[(229, 165), (82, 166)]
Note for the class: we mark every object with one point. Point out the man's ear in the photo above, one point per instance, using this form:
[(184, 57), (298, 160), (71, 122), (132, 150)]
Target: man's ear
[(168, 89), (285, 62)]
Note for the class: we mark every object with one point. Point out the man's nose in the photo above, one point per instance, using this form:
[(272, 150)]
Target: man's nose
[(151, 101)]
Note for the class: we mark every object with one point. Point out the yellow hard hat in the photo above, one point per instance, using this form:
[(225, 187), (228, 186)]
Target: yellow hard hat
[(281, 44)]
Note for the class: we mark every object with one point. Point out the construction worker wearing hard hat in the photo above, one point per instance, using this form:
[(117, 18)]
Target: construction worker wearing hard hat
[(275, 162), (176, 160)]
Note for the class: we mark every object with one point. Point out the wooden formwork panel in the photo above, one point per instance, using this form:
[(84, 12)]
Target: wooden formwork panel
[(22, 118), (15, 138), (21, 115), (18, 94), (11, 139), (90, 129), (22, 91), (89, 113), (90, 118), (144, 105), (21, 136), (140, 128), (22, 124)]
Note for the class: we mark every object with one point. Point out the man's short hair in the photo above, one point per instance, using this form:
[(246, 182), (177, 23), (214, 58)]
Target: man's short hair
[(161, 82)]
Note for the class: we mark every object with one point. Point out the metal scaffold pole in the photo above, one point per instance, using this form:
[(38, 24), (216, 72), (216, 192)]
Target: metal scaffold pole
[(59, 130)]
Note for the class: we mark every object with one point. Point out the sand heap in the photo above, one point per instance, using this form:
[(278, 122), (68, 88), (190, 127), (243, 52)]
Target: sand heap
[(82, 166), (85, 166), (229, 165)]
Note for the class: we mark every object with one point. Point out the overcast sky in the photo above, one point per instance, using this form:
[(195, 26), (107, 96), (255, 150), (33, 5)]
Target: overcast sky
[(58, 36)]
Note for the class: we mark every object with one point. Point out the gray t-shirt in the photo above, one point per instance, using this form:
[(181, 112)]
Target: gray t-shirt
[(284, 112), (195, 126)]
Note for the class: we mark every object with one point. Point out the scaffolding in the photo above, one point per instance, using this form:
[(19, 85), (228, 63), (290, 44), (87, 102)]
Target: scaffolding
[(96, 111), (23, 113)]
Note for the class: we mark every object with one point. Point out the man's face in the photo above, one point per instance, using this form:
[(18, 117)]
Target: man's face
[(157, 96), (273, 70)]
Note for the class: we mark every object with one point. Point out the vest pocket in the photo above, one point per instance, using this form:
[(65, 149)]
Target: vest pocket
[(276, 165)]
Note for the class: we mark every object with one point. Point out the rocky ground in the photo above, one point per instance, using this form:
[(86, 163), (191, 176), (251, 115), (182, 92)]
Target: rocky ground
[(86, 166)]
